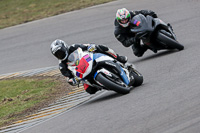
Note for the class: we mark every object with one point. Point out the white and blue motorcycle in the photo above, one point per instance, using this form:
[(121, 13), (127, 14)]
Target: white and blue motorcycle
[(103, 72)]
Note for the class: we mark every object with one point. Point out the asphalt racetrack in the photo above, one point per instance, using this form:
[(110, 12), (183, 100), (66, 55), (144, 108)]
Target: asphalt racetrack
[(167, 102)]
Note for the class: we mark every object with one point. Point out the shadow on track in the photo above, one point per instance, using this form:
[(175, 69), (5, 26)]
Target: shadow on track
[(111, 95), (160, 54), (105, 97)]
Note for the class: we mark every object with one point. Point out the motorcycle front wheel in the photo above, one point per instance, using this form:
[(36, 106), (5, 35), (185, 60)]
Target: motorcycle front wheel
[(111, 85), (169, 42)]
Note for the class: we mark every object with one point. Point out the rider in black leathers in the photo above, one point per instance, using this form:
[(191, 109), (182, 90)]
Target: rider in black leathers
[(122, 29), (61, 51)]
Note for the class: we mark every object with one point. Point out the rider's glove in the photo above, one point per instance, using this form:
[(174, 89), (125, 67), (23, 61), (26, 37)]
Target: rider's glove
[(72, 81), (132, 40), (153, 14), (149, 12), (91, 48)]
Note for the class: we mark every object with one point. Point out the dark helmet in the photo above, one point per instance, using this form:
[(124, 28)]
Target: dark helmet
[(59, 49)]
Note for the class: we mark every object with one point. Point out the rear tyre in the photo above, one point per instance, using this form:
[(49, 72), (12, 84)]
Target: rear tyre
[(167, 41), (122, 89), (138, 78)]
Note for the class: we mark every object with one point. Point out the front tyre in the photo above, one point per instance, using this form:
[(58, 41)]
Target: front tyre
[(122, 89), (169, 42)]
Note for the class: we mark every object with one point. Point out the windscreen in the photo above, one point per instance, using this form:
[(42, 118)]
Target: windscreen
[(73, 57), (136, 21), (139, 23)]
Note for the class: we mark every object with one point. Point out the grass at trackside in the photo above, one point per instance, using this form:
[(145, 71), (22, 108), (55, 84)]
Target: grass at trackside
[(13, 12), (22, 96)]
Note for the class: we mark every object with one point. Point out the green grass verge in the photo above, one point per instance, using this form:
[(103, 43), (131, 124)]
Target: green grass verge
[(13, 12), (19, 96)]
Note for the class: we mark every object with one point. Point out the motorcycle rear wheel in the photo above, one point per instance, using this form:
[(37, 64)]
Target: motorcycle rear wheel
[(138, 78), (112, 85), (171, 43)]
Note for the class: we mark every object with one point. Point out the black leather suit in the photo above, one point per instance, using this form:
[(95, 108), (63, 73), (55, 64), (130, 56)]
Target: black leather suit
[(124, 35)]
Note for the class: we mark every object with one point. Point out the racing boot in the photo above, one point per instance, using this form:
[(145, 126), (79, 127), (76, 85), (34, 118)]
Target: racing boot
[(171, 29), (111, 52), (139, 50), (170, 26), (90, 89), (122, 59)]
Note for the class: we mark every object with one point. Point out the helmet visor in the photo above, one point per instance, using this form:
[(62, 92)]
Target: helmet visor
[(124, 21), (61, 54), (73, 58)]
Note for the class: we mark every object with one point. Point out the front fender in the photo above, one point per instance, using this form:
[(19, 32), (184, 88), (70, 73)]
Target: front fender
[(104, 71)]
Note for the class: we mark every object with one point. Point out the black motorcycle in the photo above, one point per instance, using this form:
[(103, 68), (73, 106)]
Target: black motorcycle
[(154, 33)]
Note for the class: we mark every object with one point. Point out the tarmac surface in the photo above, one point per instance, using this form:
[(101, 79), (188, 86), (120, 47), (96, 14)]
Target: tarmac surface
[(167, 102)]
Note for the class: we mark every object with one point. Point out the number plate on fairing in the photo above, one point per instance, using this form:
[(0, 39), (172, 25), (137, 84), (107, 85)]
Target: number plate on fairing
[(82, 66)]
